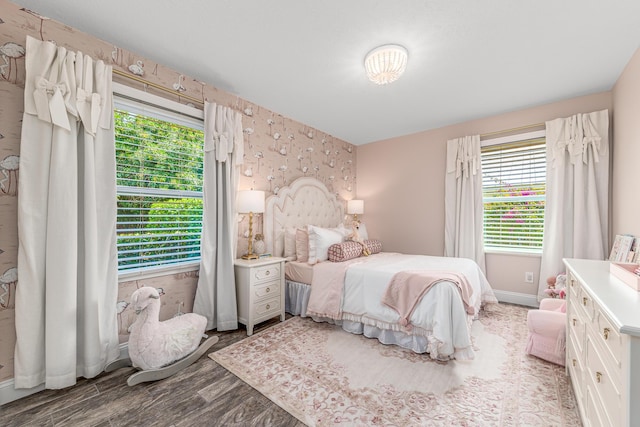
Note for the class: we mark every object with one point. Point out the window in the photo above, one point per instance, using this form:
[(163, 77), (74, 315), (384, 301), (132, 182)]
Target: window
[(513, 192), (159, 159)]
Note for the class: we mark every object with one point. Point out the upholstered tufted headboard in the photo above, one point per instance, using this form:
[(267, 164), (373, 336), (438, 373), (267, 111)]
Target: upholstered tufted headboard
[(306, 201)]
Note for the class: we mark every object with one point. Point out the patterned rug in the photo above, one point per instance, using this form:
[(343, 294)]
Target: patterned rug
[(325, 376)]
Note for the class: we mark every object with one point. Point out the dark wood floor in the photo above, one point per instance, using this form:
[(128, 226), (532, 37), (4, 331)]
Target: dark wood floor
[(204, 394)]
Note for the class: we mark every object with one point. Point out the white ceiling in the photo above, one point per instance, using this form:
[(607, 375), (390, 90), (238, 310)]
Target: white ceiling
[(304, 58)]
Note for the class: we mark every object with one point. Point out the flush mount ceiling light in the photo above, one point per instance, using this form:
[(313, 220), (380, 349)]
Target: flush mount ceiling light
[(385, 64)]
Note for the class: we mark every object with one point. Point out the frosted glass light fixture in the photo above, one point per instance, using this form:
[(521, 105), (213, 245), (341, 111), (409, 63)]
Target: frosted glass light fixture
[(385, 64)]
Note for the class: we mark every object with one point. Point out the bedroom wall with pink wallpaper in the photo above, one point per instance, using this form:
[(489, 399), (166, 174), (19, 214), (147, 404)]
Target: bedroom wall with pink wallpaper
[(277, 151), (402, 182)]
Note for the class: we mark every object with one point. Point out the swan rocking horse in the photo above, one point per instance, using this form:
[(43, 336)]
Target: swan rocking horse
[(161, 349)]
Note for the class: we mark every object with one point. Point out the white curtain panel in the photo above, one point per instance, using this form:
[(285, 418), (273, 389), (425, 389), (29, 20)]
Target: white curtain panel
[(463, 200), (223, 153), (576, 208), (66, 324)]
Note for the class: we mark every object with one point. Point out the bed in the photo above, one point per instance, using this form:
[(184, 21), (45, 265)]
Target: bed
[(350, 293)]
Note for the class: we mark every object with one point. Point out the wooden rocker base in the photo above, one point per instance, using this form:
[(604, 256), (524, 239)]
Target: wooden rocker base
[(165, 372)]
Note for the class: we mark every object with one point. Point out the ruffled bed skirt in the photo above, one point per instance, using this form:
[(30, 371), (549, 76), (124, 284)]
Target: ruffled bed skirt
[(420, 341)]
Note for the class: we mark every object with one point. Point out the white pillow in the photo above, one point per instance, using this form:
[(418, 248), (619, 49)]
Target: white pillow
[(343, 229), (320, 239), (363, 232), (290, 244)]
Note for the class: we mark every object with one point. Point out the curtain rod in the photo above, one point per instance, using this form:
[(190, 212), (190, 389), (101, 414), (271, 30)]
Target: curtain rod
[(500, 132), (157, 86)]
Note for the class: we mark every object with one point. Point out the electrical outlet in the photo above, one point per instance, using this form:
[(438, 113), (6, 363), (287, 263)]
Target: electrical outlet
[(528, 277)]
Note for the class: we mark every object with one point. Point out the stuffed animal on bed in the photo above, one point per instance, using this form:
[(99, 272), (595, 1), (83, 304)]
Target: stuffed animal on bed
[(355, 237), (154, 344)]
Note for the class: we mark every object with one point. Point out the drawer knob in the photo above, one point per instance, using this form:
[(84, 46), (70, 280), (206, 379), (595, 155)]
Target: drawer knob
[(598, 376), (268, 290), (268, 307), (574, 321), (605, 333), (584, 300), (573, 283), (574, 362), (268, 272)]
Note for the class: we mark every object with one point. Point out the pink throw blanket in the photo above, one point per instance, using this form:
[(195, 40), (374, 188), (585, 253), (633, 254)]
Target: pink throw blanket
[(407, 288), (327, 287)]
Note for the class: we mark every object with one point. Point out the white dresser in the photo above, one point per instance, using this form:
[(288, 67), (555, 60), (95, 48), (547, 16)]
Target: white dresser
[(259, 290), (603, 344)]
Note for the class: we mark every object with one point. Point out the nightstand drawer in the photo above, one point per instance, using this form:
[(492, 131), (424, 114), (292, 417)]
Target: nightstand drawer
[(259, 290), (264, 290), (268, 272), (271, 306)]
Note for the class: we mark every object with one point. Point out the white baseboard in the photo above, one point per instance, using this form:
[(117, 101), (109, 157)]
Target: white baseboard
[(8, 392), (517, 298)]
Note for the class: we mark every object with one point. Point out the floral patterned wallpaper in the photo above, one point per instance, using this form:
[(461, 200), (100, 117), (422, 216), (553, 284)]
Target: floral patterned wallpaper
[(277, 151)]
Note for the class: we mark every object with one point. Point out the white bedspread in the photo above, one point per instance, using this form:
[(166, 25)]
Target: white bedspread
[(440, 315)]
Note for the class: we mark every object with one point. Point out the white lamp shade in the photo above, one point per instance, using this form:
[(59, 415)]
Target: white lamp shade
[(355, 207), (250, 201)]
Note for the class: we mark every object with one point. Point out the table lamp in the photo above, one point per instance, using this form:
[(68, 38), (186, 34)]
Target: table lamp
[(355, 208), (250, 201)]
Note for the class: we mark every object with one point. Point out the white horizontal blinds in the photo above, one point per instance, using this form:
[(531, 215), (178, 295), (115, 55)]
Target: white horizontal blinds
[(513, 186), (159, 161)]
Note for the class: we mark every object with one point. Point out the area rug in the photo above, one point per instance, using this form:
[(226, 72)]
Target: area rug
[(325, 376)]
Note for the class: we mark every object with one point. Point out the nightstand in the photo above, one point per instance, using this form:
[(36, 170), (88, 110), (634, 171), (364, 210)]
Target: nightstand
[(259, 290)]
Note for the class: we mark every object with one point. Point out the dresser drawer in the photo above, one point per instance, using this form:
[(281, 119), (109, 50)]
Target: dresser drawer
[(595, 413), (586, 304), (610, 339), (576, 369), (577, 329), (606, 387), (266, 290), (268, 272), (267, 307), (574, 287)]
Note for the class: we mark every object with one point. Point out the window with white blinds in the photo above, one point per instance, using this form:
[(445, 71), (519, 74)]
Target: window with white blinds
[(159, 161), (513, 190)]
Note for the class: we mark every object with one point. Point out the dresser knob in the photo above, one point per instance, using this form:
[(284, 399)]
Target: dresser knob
[(574, 362), (268, 307), (574, 321), (573, 283), (605, 333), (584, 301), (598, 376), (268, 290), (268, 272)]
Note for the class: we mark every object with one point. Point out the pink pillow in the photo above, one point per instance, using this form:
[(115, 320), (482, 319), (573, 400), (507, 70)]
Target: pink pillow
[(344, 251), (349, 250), (290, 244), (302, 245), (374, 246)]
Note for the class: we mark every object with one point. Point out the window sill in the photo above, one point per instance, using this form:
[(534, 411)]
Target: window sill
[(148, 273), (513, 252)]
